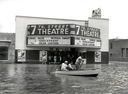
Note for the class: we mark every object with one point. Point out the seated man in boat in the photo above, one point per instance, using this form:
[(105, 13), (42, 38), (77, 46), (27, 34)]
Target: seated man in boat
[(64, 66), (69, 67), (78, 63)]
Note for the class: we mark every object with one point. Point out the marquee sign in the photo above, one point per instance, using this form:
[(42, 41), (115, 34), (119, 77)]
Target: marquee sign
[(63, 41), (62, 29), (50, 29), (49, 40), (87, 31), (87, 42)]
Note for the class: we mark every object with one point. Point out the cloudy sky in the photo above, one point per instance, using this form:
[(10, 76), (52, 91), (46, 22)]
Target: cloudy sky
[(115, 10)]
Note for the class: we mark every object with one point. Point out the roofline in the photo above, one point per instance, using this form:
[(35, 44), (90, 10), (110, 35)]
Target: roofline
[(51, 18), (6, 32), (118, 39), (98, 18), (5, 41)]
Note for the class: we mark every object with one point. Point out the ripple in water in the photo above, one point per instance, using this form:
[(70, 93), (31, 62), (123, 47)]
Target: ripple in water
[(38, 79)]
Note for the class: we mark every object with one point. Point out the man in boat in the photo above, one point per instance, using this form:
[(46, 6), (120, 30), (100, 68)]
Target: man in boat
[(78, 63), (64, 66), (69, 67)]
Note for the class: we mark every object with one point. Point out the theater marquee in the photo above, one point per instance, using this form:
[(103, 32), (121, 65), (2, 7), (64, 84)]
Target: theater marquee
[(50, 29), (63, 35), (63, 29)]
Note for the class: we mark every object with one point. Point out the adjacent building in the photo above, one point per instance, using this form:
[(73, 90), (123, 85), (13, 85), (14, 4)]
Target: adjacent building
[(7, 47), (53, 40), (118, 49)]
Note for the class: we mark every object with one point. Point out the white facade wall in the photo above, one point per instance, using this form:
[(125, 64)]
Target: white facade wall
[(103, 25), (23, 21)]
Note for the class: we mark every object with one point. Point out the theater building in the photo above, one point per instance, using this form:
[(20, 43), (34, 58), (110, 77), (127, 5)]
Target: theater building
[(51, 40)]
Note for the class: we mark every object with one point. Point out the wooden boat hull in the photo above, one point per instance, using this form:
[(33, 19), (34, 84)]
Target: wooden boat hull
[(87, 72)]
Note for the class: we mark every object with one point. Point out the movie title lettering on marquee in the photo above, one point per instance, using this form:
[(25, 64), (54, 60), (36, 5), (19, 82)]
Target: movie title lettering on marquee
[(87, 42), (62, 29), (43, 40)]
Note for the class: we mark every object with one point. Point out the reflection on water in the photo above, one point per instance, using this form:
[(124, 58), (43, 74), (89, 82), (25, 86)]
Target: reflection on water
[(39, 79)]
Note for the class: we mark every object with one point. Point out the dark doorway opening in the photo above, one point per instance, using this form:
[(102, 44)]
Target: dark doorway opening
[(90, 57), (3, 53)]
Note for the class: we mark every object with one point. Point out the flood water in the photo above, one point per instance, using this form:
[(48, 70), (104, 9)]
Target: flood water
[(39, 79)]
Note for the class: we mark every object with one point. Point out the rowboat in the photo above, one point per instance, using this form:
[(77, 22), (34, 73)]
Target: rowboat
[(82, 72)]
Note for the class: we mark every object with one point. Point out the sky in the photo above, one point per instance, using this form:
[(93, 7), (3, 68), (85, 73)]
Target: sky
[(114, 10)]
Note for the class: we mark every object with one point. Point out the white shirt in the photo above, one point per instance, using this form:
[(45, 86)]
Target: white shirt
[(64, 66)]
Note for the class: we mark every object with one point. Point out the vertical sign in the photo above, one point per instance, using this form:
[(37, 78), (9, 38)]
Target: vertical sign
[(97, 56), (43, 56), (21, 55)]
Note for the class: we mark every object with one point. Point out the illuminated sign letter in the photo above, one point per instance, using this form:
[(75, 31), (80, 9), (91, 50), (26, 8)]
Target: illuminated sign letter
[(78, 30), (34, 29)]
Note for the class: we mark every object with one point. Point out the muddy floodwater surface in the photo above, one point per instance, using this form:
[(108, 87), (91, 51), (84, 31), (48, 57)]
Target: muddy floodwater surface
[(39, 79)]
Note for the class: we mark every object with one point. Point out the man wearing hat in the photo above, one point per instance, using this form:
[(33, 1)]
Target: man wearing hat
[(64, 66)]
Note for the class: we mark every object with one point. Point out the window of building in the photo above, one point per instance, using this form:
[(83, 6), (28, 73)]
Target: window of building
[(110, 45), (3, 53), (122, 52), (126, 52)]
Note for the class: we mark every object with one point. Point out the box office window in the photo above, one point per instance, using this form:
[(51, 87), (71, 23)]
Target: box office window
[(126, 52), (3, 53)]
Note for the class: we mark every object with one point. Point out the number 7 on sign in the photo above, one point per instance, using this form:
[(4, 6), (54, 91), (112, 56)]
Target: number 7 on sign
[(78, 30), (34, 29)]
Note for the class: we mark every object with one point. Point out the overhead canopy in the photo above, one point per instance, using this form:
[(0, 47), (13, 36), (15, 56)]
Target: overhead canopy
[(5, 43)]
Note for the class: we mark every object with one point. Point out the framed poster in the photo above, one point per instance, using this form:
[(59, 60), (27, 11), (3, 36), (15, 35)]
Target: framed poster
[(21, 55), (97, 56), (43, 56)]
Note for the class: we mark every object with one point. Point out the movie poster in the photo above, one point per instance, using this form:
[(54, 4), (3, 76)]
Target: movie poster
[(21, 55), (97, 56), (43, 56)]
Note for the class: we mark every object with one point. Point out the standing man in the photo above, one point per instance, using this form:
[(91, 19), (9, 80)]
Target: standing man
[(78, 63)]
